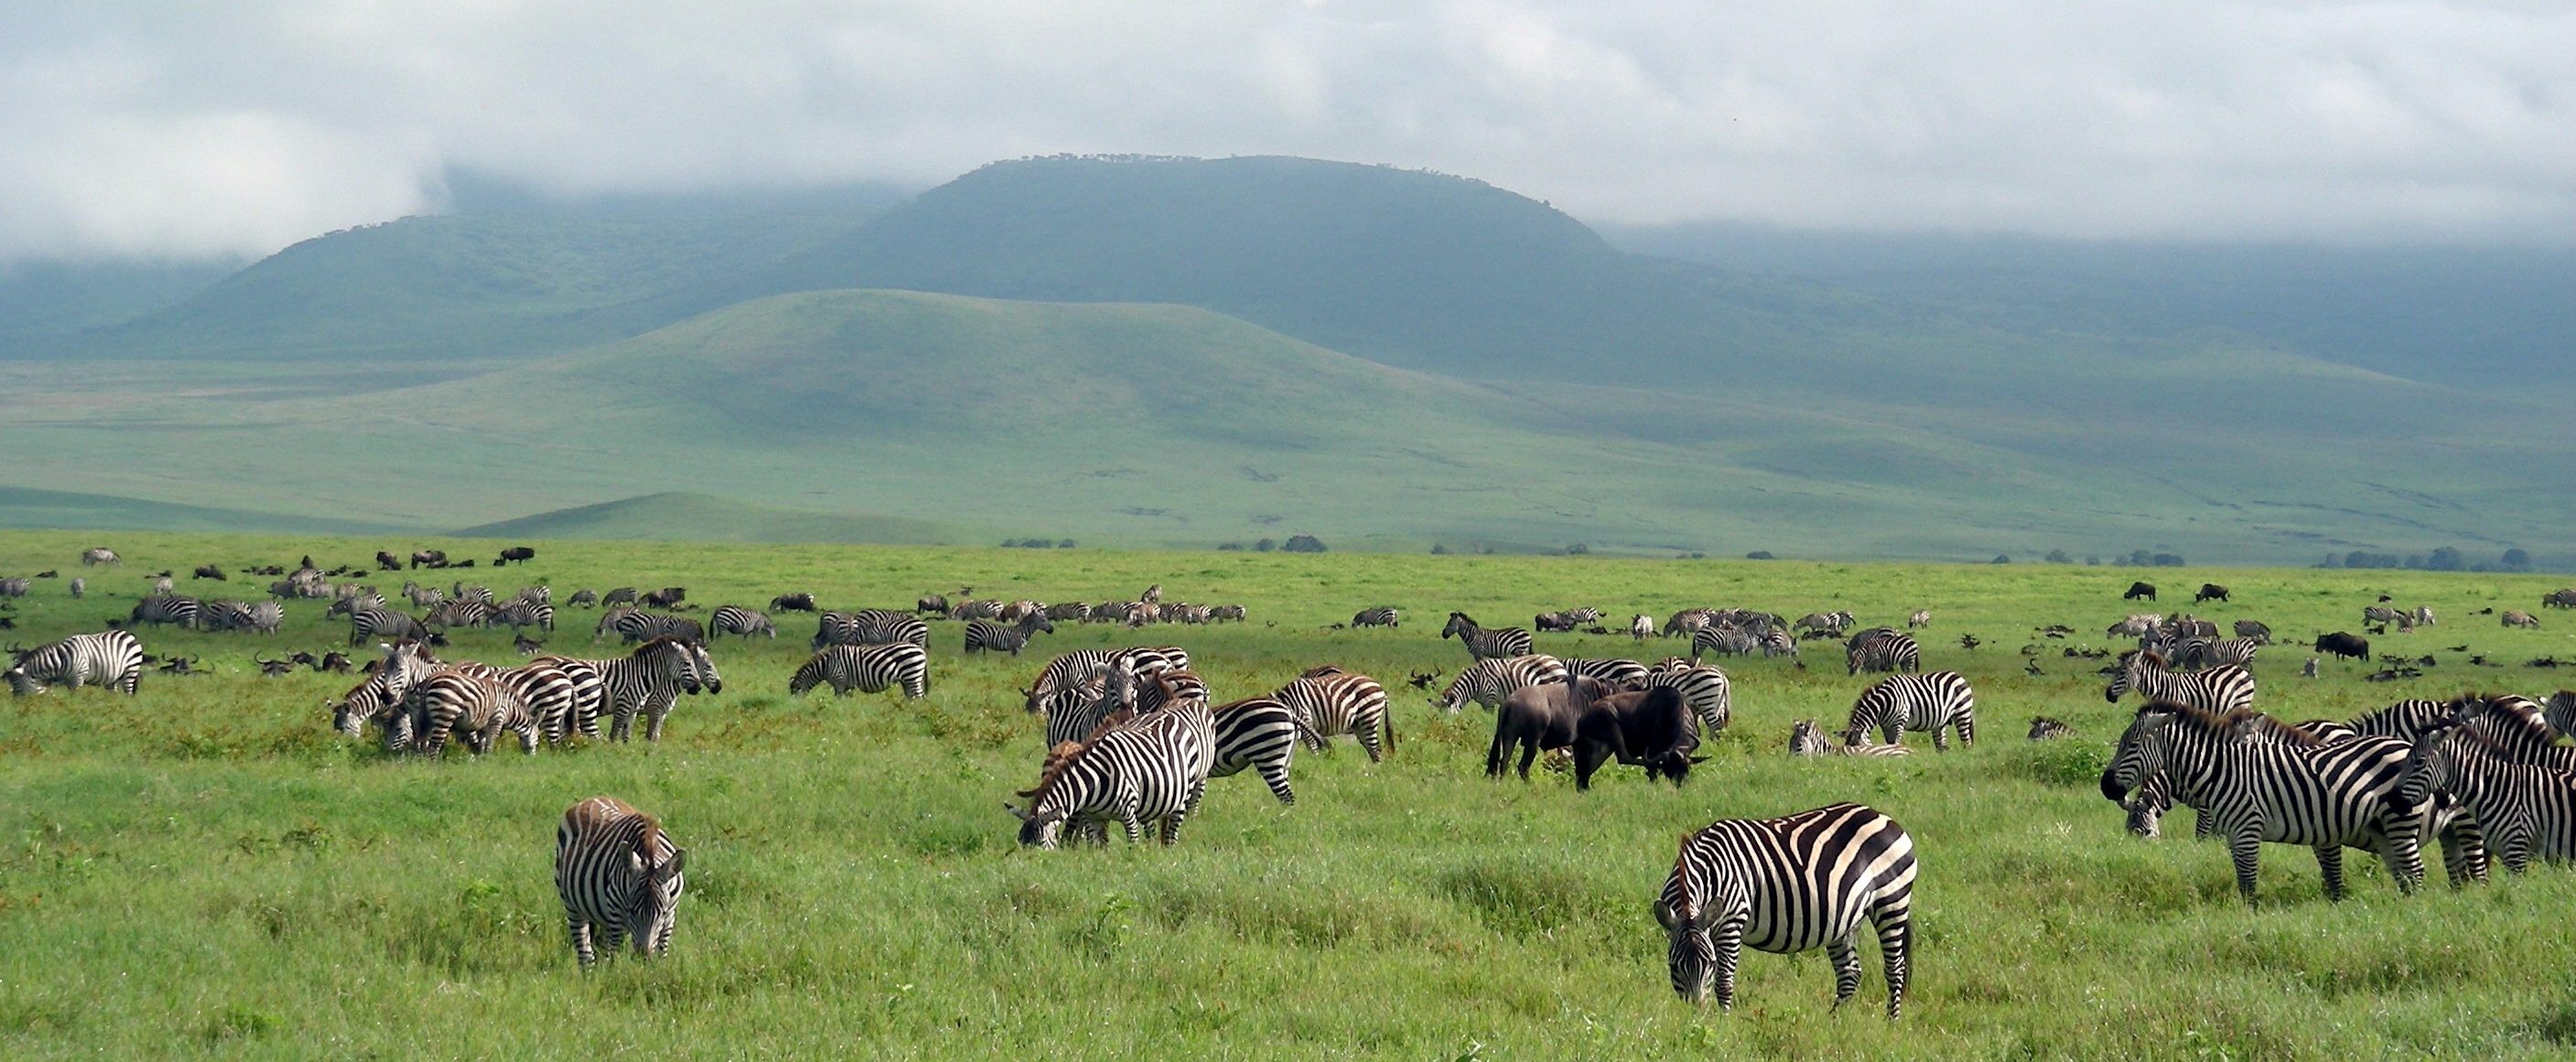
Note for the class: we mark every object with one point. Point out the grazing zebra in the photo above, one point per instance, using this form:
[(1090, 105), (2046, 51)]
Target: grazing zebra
[(342, 606), (486, 700), (1899, 703), (1723, 639), (1381, 616), (2522, 810), (2384, 614), (870, 626), (523, 612), (636, 625), (419, 596), (1777, 642), (1068, 669), (96, 555), (462, 592), (1077, 612), (2404, 720), (2525, 620), (1080, 707), (618, 875), (1152, 769), (2219, 690), (1496, 644), (404, 663), (108, 660), (582, 599), (866, 668), (166, 608), (2237, 651), (459, 612), (2043, 728), (1883, 649), (729, 619), (540, 593), (1790, 884), (383, 623), (15, 586), (1703, 687), (161, 584), (2283, 790), (1260, 733), (1487, 682), (1328, 701), (1921, 619), (1225, 613), (1806, 738), (984, 608), (624, 595), (647, 681), (1834, 622), (982, 635)]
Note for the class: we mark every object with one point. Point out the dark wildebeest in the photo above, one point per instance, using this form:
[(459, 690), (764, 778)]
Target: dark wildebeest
[(798, 602), (2343, 644), (429, 558), (624, 595), (521, 554), (2139, 590), (2210, 592), (388, 561), (1645, 728), (933, 604), (208, 571), (1537, 718), (1553, 621), (668, 597)]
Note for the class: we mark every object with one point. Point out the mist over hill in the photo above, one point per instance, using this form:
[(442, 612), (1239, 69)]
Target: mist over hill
[(1175, 351)]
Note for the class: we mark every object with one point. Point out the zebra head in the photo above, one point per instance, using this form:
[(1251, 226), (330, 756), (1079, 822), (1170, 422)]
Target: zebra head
[(702, 668), (1807, 739), (1460, 691), (2134, 667), (1459, 626), (1683, 913), (653, 907), (2432, 765), (2146, 748), (2147, 812), (21, 683)]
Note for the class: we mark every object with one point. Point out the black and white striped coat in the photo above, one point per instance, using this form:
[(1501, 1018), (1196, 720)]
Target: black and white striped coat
[(734, 619), (2224, 689), (1487, 682), (637, 625), (1790, 884), (1723, 639), (1329, 701), (459, 612), (477, 702), (524, 612), (619, 876), (1883, 649), (1487, 644), (1381, 616), (1806, 738), (1068, 669), (1704, 688), (166, 608), (870, 626), (1260, 733), (866, 668), (1935, 703), (646, 682), (1150, 770), (2522, 810), (2321, 796), (384, 623), (108, 659), (983, 635), (374, 701)]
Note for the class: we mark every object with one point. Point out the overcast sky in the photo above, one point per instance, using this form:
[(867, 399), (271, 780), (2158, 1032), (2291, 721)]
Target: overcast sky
[(238, 127)]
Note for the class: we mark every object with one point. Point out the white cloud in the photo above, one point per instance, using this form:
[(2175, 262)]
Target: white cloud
[(190, 129)]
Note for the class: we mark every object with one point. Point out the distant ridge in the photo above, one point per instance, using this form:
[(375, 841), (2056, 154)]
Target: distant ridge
[(24, 507), (688, 516)]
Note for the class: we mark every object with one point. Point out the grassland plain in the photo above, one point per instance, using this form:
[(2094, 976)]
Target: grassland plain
[(205, 869)]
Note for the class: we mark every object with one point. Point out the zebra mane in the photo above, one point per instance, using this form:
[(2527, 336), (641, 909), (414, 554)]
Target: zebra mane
[(1065, 752), (2527, 723), (2486, 743), (1319, 671), (2222, 725), (657, 642)]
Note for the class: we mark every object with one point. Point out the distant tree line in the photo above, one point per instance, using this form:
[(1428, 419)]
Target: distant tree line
[(1295, 544), (2443, 559), (1037, 543)]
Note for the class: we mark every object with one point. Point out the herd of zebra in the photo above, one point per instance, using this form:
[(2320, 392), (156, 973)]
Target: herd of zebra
[(1133, 735)]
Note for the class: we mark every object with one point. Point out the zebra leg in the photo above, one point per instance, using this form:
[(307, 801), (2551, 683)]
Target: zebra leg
[(528, 737), (653, 723), (1895, 924), (2513, 845), (1367, 733), (2330, 865), (1275, 772), (1728, 938), (2464, 854), (1940, 739), (1845, 953), (2401, 850), (621, 726), (581, 947), (2244, 848), (2202, 825), (1967, 724)]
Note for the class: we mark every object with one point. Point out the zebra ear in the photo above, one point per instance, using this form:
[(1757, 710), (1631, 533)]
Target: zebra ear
[(1666, 916), (671, 867), (1017, 813)]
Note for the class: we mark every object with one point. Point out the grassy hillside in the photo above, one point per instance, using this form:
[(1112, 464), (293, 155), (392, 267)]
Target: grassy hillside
[(204, 871), (709, 518)]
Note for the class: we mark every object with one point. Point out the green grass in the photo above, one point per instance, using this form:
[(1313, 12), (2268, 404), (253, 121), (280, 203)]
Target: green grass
[(205, 870)]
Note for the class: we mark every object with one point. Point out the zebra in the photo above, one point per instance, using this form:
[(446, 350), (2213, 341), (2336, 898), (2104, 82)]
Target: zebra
[(1806, 738), (1260, 733), (2043, 728), (2516, 618), (2404, 720), (982, 608), (165, 608), (619, 874), (870, 626), (1790, 884), (1899, 703), (982, 635), (1883, 649), (108, 659), (1224, 614), (1381, 616), (1073, 612), (583, 599), (1834, 622), (1688, 620), (1074, 711), (1069, 668), (1723, 639), (479, 594), (624, 595), (1777, 643), (486, 701), (342, 606), (637, 625), (1641, 627), (366, 623), (729, 619), (866, 668), (262, 617), (403, 663), (1152, 769), (419, 596), (2519, 727), (524, 612), (2219, 690), (161, 585), (647, 681), (1615, 673), (2283, 790), (1329, 701), (79, 586), (1482, 644), (2254, 629), (1703, 687), (2559, 711), (2521, 809), (96, 555), (1487, 682), (1920, 619), (459, 612), (2384, 614)]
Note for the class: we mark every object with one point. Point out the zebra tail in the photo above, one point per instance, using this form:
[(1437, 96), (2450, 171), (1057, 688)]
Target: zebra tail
[(1386, 722)]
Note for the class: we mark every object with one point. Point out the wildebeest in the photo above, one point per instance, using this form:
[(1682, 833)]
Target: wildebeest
[(429, 558), (388, 562), (1553, 621), (666, 597), (2347, 645), (624, 595), (99, 555), (520, 554), (1647, 728), (1536, 719), (2209, 592), (2246, 628), (2140, 590), (796, 602), (208, 571)]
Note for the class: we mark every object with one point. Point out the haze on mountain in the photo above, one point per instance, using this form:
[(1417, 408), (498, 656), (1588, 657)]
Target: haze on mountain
[(1988, 354)]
